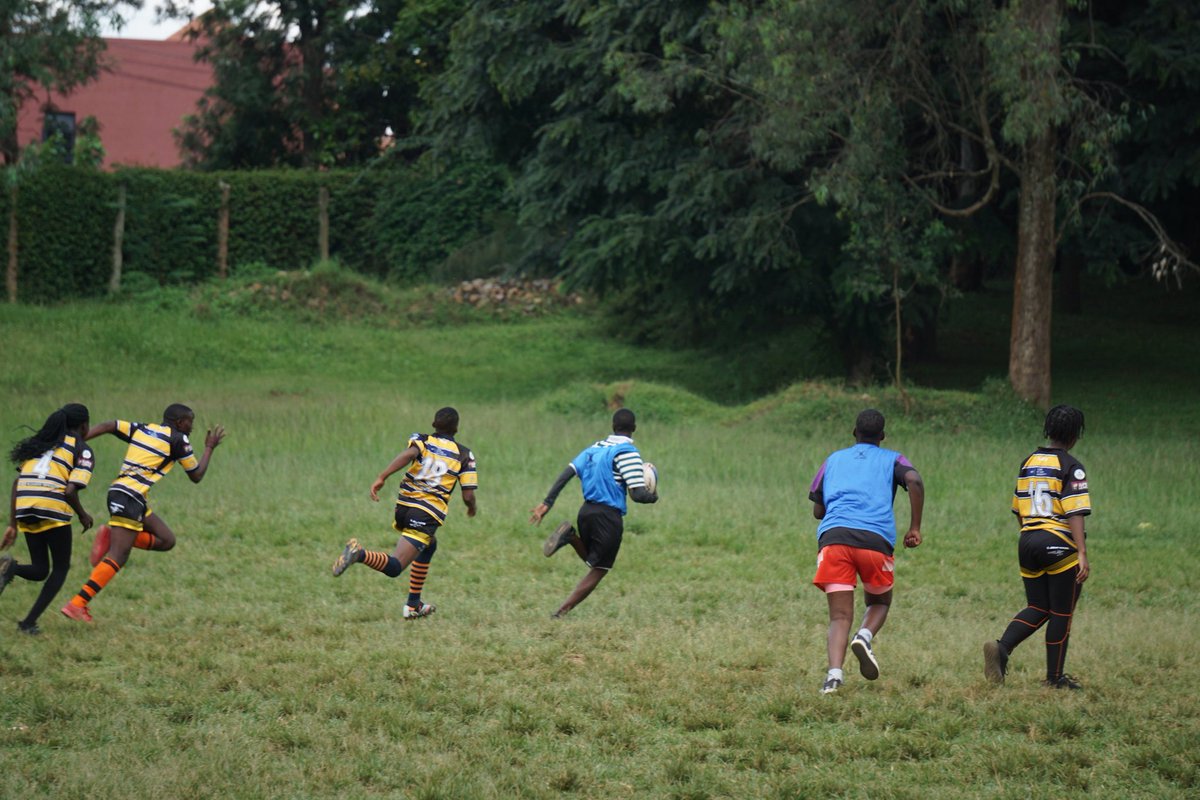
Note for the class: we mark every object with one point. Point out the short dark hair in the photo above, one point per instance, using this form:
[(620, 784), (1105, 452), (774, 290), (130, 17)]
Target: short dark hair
[(869, 424), (176, 412), (624, 421), (1063, 424), (446, 419)]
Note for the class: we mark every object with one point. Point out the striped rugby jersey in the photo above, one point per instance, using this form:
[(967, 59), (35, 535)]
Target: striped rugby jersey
[(42, 485), (440, 465), (608, 469), (153, 450), (1051, 486)]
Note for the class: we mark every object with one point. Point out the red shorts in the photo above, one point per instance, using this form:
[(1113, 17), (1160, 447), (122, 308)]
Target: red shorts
[(838, 565)]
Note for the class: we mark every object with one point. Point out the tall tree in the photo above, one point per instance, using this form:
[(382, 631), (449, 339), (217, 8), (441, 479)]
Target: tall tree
[(48, 46)]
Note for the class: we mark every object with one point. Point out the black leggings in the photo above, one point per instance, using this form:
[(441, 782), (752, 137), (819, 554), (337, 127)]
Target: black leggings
[(1051, 598), (52, 546)]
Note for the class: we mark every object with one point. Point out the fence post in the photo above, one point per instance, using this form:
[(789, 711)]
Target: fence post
[(114, 282), (323, 222), (223, 232), (11, 274)]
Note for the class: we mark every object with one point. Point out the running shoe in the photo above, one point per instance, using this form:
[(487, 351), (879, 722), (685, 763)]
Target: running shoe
[(558, 540), (351, 554), (77, 613), (29, 629), (8, 568), (831, 686), (867, 664), (995, 662), (1062, 682), (100, 544), (416, 612)]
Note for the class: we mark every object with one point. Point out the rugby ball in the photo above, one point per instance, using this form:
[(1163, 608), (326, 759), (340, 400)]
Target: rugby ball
[(650, 475)]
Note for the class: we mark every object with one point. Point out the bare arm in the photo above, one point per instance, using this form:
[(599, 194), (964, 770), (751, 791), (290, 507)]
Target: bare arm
[(468, 496), (398, 463), (1080, 539), (818, 510), (72, 497), (101, 429), (211, 440), (916, 499), (10, 532)]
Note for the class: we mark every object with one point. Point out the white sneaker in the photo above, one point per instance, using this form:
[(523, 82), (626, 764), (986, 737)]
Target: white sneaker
[(867, 664), (415, 612), (831, 686)]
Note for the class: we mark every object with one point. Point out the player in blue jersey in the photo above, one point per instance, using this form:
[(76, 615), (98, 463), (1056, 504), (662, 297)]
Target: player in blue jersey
[(607, 470), (852, 495)]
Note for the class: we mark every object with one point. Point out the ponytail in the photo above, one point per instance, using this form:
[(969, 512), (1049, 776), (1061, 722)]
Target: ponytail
[(52, 432)]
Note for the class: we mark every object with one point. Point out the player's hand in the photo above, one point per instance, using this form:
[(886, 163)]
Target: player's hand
[(214, 437), (539, 511), (912, 538), (1085, 569), (470, 511), (375, 487), (85, 520), (10, 536)]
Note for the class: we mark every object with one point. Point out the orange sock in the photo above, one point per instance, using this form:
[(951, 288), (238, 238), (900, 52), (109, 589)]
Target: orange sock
[(144, 540), (102, 573)]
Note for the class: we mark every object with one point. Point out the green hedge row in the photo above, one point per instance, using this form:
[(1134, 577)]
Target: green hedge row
[(392, 223)]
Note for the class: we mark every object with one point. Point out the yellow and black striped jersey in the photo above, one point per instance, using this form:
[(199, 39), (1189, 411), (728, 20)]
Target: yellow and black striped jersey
[(153, 450), (1051, 486), (42, 484), (440, 465)]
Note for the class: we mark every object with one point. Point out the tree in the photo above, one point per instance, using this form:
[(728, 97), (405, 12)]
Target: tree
[(51, 46)]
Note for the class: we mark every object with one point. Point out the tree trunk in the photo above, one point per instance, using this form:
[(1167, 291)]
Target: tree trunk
[(323, 223), (118, 251), (10, 277), (223, 232), (1029, 346)]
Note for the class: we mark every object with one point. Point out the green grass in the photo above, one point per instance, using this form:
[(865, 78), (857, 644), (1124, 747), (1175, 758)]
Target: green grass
[(236, 667)]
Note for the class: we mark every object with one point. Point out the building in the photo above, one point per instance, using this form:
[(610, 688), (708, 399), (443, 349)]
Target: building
[(142, 96)]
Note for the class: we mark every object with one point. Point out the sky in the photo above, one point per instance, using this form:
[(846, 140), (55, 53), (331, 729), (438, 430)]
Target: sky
[(143, 26)]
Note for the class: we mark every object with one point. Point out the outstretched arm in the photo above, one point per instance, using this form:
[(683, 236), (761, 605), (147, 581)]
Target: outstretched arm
[(543, 508), (398, 463), (211, 440), (101, 429), (916, 499)]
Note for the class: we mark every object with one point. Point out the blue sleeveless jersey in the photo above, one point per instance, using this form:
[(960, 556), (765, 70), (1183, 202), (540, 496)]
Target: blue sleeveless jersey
[(599, 475), (857, 486)]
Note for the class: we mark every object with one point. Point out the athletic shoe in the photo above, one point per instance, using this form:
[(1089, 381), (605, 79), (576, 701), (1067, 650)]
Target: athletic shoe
[(867, 664), (1062, 682), (77, 613), (8, 568), (100, 544), (416, 612), (831, 686), (29, 629), (995, 662), (351, 553), (558, 540)]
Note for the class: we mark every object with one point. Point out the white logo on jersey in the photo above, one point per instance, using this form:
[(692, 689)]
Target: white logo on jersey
[(1079, 475)]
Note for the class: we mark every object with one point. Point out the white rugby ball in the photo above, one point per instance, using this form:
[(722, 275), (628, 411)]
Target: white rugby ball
[(650, 475)]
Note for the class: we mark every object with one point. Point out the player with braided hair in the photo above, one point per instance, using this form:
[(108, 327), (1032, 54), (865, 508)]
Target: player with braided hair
[(53, 465), (1050, 502)]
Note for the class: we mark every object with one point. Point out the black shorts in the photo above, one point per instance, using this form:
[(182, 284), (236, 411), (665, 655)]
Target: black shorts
[(600, 527), (127, 510), (415, 524), (1044, 553)]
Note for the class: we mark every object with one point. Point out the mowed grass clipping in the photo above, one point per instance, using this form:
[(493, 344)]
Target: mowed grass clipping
[(235, 666)]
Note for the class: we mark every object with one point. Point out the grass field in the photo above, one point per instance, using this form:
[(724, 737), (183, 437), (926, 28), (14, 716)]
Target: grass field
[(235, 666)]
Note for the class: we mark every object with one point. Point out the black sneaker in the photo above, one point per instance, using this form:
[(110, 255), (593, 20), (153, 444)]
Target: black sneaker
[(29, 628), (867, 664), (1062, 682), (8, 567), (995, 662), (558, 540), (831, 685)]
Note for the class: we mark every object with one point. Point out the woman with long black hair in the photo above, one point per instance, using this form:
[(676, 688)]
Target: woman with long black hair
[(52, 465)]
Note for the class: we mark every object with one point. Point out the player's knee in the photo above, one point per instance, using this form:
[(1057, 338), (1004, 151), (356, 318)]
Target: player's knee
[(39, 572)]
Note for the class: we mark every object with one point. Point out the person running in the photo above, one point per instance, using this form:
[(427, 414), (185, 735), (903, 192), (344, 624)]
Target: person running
[(607, 470), (153, 450), (435, 463), (852, 496), (53, 466), (1050, 502)]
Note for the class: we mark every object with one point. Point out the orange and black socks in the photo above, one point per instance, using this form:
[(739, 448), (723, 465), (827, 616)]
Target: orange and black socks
[(102, 573), (382, 562), (416, 582), (144, 540)]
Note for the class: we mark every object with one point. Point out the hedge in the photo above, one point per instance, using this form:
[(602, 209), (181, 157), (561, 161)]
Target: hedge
[(396, 223)]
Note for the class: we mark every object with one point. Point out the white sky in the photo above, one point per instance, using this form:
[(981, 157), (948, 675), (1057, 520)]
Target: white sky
[(142, 24)]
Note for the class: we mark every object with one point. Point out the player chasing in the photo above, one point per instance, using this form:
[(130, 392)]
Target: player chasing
[(606, 470), (53, 466), (1050, 502), (153, 450), (852, 495), (435, 463)]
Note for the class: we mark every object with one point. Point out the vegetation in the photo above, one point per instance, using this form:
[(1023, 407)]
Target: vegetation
[(235, 666)]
